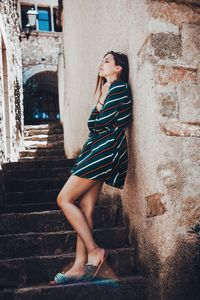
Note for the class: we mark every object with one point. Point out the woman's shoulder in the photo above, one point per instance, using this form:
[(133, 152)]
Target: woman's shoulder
[(119, 84), (118, 81)]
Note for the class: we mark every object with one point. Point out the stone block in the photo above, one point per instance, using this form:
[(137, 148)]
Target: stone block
[(191, 44), (168, 105), (154, 205), (167, 75), (173, 127), (189, 103), (166, 45), (160, 46), (174, 12)]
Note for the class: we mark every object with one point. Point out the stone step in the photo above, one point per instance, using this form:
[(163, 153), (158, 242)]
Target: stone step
[(41, 269), (60, 172), (38, 137), (49, 196), (38, 164), (34, 196), (41, 184), (51, 125), (121, 288), (42, 153), (40, 126), (40, 159), (54, 243), (35, 130), (44, 137), (39, 131), (43, 145), (46, 206), (30, 207), (49, 221)]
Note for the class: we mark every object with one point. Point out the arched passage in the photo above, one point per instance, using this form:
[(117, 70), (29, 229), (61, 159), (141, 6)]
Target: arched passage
[(41, 98)]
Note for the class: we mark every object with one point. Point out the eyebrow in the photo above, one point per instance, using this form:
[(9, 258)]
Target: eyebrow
[(106, 58)]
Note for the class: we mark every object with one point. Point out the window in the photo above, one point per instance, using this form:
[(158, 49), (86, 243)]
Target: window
[(57, 27), (44, 19), (24, 9)]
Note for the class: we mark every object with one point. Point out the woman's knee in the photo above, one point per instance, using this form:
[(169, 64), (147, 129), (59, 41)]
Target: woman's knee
[(59, 200), (62, 199)]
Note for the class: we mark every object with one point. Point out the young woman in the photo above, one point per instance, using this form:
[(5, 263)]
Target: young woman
[(103, 158)]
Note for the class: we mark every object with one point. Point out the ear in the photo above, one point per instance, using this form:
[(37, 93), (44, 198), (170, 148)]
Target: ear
[(118, 68)]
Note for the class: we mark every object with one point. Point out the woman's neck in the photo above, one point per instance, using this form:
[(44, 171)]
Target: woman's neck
[(110, 80)]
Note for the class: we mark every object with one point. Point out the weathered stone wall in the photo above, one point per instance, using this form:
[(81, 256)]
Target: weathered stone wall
[(40, 53), (41, 48), (164, 200), (11, 108), (161, 196)]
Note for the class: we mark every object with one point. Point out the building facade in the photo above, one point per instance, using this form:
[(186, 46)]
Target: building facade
[(40, 55), (11, 92)]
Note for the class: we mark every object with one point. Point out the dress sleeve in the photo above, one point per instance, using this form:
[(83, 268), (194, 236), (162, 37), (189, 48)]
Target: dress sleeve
[(115, 97)]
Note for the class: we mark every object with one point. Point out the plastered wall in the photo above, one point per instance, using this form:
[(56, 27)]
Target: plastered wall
[(161, 195)]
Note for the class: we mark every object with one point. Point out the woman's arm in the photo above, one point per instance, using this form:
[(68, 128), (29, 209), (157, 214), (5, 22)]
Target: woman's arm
[(116, 96)]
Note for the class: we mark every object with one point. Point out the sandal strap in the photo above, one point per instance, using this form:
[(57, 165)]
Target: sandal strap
[(90, 269), (93, 249)]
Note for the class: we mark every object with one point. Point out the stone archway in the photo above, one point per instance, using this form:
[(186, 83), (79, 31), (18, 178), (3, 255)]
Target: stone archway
[(31, 71), (40, 97)]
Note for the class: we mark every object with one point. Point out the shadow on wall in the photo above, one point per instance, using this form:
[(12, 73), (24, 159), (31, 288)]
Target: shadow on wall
[(181, 274), (178, 278)]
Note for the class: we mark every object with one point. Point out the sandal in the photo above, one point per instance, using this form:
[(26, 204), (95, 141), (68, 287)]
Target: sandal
[(91, 270), (61, 278)]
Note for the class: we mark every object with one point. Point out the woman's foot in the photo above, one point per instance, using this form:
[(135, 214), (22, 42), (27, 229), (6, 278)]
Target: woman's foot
[(73, 274), (75, 271), (96, 258)]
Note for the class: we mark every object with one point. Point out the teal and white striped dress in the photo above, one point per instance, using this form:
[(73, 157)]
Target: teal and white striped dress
[(104, 156)]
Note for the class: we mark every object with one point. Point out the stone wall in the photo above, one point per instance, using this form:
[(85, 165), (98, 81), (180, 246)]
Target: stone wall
[(164, 201), (41, 49), (11, 108), (161, 195)]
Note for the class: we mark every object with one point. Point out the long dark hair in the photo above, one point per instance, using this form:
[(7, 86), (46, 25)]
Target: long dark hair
[(120, 59)]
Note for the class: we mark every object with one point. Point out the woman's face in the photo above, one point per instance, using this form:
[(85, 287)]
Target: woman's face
[(108, 67)]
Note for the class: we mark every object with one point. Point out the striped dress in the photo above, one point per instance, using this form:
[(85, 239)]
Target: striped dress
[(104, 156)]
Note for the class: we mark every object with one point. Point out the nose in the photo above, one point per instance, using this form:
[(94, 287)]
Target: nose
[(100, 67)]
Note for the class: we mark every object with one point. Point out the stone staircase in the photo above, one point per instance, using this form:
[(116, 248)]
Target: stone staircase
[(36, 241), (43, 142)]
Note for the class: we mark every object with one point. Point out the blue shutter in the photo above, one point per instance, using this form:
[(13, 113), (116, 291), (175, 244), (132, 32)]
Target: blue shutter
[(44, 19)]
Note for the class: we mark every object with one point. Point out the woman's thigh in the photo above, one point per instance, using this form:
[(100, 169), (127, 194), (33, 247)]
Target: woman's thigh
[(75, 187), (89, 199)]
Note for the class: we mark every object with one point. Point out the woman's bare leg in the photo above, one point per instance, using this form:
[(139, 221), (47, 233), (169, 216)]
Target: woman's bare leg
[(74, 188), (87, 205)]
